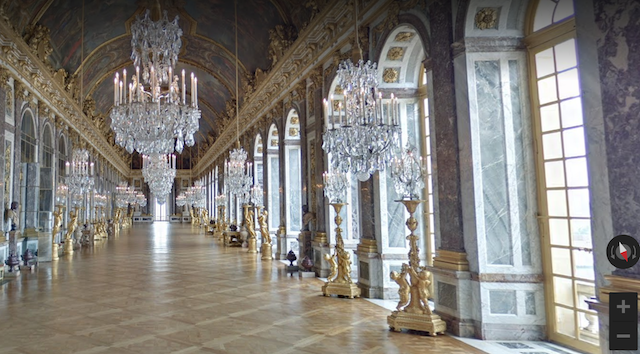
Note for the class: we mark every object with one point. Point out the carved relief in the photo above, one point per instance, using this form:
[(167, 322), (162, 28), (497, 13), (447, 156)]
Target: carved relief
[(390, 75), (487, 18), (38, 38), (280, 39), (404, 36), (395, 53), (60, 76), (89, 107), (293, 132), (72, 87)]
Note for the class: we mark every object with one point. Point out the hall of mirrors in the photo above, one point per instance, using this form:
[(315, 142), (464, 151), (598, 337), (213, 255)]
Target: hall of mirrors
[(474, 181)]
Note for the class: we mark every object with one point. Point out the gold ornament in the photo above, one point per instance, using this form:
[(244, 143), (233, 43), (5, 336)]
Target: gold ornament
[(71, 228), (403, 36), (395, 53), (249, 223), (412, 311), (339, 281), (390, 75), (487, 18)]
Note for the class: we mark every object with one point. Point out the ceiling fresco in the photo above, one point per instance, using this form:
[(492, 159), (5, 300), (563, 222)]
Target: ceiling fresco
[(208, 43)]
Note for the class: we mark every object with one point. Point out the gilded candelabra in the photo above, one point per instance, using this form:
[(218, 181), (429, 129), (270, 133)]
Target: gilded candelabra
[(339, 281), (221, 224), (412, 311)]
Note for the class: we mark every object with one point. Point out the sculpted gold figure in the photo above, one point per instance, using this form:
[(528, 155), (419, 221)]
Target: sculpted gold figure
[(333, 266), (57, 221), (249, 222), (403, 291), (413, 310), (264, 227)]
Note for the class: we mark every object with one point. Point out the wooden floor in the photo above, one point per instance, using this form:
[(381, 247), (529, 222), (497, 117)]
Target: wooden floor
[(166, 289)]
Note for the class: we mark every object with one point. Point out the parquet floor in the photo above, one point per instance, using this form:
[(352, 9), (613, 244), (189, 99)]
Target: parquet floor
[(166, 289)]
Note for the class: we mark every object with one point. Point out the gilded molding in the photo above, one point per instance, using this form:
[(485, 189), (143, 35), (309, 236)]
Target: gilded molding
[(37, 78)]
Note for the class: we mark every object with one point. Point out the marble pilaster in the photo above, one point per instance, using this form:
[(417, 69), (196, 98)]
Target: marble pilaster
[(30, 185)]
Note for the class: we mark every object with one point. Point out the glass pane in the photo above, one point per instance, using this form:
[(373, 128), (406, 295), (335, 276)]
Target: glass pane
[(581, 233), (588, 324), (557, 203), (561, 261), (559, 232), (544, 14), (571, 112), (563, 291), (552, 146), (566, 55), (568, 84), (583, 264), (577, 172), (564, 10), (549, 117), (579, 202), (565, 322), (584, 291), (554, 174), (574, 142), (547, 90), (544, 63)]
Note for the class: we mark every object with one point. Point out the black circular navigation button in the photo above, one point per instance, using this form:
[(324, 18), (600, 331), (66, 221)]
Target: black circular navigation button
[(623, 251)]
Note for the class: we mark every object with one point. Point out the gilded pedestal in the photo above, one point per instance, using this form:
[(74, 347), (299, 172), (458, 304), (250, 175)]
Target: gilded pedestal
[(267, 252), (413, 310), (55, 249), (339, 281)]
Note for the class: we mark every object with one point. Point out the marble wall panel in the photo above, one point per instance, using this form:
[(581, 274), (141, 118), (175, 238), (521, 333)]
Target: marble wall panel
[(447, 295), (502, 302), (493, 158)]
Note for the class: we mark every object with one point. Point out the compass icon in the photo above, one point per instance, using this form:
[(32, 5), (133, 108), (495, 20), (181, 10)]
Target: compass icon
[(623, 251)]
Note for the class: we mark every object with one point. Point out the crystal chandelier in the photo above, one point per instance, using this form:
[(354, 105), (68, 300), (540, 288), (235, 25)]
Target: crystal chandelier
[(238, 175), (360, 133), (123, 195), (237, 171), (151, 114), (335, 186), (159, 171), (408, 172), (79, 172), (256, 196), (61, 194)]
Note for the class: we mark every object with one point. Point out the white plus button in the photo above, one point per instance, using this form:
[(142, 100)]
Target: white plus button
[(623, 306)]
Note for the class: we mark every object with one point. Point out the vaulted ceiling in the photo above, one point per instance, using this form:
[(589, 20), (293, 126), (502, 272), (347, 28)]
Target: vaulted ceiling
[(208, 42)]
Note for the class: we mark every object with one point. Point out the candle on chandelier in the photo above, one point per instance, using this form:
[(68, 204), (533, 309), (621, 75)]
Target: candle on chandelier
[(331, 110), (192, 89), (115, 89), (195, 95), (121, 98), (91, 173), (340, 114), (326, 114), (66, 168), (130, 92), (124, 79), (184, 89)]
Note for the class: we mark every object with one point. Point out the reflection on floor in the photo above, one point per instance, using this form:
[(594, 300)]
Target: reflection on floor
[(164, 288)]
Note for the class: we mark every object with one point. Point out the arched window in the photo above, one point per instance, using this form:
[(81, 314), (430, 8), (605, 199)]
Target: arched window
[(46, 179), (62, 157), (273, 169), (28, 138), (293, 174), (563, 183)]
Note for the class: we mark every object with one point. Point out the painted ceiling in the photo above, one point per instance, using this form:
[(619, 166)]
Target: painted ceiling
[(208, 42)]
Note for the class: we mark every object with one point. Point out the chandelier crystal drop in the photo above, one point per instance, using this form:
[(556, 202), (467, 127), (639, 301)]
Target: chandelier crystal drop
[(159, 171), (124, 195), (151, 114), (79, 172), (362, 131), (238, 174)]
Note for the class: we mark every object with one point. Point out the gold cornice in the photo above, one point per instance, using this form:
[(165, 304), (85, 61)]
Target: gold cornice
[(29, 69), (328, 32)]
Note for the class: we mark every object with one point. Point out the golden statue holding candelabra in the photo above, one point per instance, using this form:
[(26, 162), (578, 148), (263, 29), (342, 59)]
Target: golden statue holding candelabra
[(339, 281), (412, 311)]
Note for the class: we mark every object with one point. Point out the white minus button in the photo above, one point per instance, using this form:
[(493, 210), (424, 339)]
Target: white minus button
[(623, 336)]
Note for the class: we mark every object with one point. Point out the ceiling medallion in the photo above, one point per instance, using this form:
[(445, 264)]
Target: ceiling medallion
[(151, 114)]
